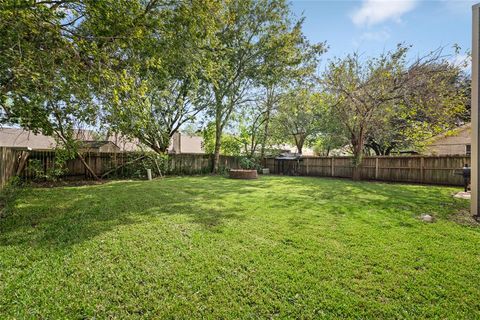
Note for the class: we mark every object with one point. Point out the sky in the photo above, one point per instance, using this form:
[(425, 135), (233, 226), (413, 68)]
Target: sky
[(371, 27)]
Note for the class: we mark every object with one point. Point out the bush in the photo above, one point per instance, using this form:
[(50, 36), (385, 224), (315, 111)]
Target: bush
[(250, 163), (52, 173), (8, 195)]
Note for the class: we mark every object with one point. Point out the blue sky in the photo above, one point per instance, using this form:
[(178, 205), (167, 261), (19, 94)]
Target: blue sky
[(373, 26)]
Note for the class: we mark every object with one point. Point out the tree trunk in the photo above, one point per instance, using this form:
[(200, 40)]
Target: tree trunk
[(358, 145), (218, 144), (85, 164), (299, 149), (267, 122), (299, 142)]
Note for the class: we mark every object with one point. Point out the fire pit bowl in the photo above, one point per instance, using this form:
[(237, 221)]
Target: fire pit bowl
[(243, 174)]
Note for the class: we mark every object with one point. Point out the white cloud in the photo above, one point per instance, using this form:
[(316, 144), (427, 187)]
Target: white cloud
[(376, 11)]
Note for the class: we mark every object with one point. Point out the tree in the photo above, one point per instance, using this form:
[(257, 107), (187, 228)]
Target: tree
[(244, 30), (162, 85), (53, 55), (44, 72), (296, 58), (297, 118), (435, 101), (366, 94), (231, 146), (331, 134)]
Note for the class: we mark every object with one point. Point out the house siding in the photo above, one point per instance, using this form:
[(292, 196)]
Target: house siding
[(451, 145)]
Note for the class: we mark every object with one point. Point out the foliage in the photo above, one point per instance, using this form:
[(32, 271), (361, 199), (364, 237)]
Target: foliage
[(231, 145), (52, 172), (368, 97), (8, 195), (162, 84), (296, 60), (48, 63), (297, 120), (246, 37), (274, 247), (250, 163), (328, 142)]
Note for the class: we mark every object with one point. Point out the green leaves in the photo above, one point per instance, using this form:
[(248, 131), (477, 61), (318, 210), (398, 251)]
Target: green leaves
[(388, 103)]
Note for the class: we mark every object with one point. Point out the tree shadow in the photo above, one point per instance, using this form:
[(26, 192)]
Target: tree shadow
[(396, 202), (62, 217)]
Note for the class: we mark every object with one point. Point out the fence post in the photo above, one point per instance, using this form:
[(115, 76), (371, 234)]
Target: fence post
[(422, 170), (306, 164), (376, 168), (332, 164)]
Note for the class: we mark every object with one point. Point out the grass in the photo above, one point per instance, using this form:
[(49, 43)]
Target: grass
[(210, 247)]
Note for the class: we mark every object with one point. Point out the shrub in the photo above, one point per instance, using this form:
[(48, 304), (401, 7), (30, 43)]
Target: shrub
[(250, 163), (55, 172), (8, 195)]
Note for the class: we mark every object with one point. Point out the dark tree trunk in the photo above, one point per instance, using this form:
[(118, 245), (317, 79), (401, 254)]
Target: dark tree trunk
[(218, 144), (266, 127), (82, 159), (299, 142), (358, 145)]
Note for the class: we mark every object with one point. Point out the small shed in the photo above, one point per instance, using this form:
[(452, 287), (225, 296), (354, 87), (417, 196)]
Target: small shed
[(288, 164)]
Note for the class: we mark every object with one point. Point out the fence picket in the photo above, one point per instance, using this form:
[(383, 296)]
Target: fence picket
[(416, 169)]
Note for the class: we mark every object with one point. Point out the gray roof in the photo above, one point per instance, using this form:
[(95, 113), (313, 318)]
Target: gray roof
[(15, 137)]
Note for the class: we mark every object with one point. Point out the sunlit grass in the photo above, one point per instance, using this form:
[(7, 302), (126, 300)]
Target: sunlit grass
[(218, 248)]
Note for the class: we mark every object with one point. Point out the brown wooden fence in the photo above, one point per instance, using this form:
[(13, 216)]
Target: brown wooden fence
[(416, 169), (7, 165), (442, 170), (32, 164)]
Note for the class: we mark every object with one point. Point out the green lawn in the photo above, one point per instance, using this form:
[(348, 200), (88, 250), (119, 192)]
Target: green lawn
[(210, 247)]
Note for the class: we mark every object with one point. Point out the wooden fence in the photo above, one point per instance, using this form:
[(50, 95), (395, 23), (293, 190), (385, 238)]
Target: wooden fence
[(35, 164), (8, 165), (443, 170), (415, 169)]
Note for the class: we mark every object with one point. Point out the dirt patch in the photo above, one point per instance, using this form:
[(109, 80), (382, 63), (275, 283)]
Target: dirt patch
[(65, 183), (464, 217)]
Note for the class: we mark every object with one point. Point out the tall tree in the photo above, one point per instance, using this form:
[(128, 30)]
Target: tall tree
[(297, 119), (367, 94), (44, 71), (244, 31), (294, 59), (162, 85)]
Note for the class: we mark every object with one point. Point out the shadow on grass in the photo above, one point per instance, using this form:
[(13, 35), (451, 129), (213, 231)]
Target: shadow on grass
[(62, 217), (397, 202)]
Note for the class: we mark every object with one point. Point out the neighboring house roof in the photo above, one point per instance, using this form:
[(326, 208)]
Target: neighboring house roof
[(17, 137), (93, 144)]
